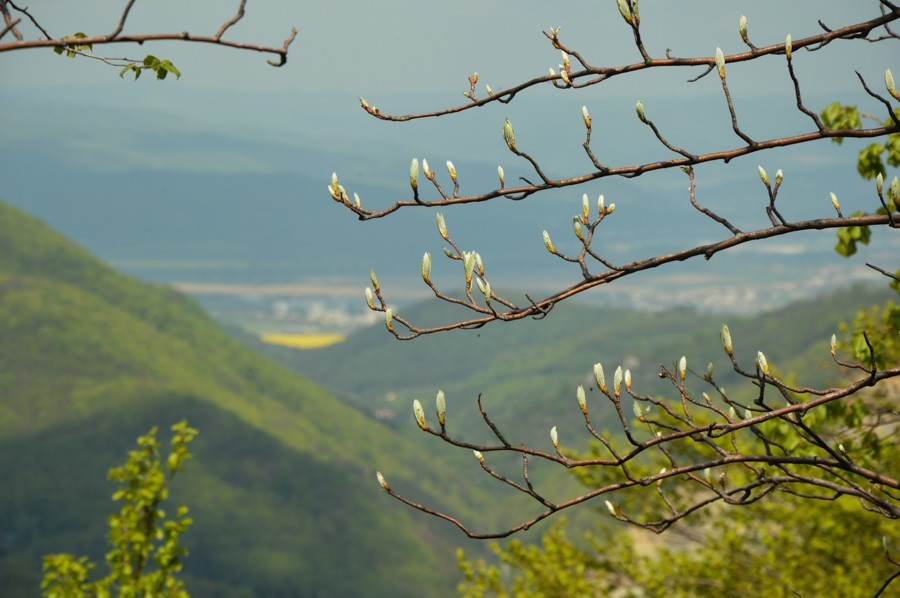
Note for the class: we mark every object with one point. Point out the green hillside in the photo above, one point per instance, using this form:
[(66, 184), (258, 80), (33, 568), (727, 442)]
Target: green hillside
[(282, 488)]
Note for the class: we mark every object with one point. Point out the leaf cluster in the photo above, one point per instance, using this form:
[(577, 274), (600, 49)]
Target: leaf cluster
[(72, 49), (151, 63)]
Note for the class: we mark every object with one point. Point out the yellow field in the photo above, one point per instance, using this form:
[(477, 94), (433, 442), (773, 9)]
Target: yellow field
[(302, 341)]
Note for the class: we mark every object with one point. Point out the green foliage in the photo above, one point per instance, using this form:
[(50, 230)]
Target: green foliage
[(849, 236), (151, 63), (140, 535), (72, 49), (870, 162)]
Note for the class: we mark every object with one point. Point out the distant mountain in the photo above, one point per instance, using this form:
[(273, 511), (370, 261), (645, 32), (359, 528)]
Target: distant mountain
[(282, 489)]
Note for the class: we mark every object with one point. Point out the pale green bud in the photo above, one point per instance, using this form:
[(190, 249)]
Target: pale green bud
[(334, 182), (611, 208), (879, 184), (889, 83), (342, 194), (601, 208), (469, 265), (617, 381), (414, 174), (485, 288), (363, 102), (451, 170), (895, 191), (706, 398), (565, 77), (732, 414), (639, 108), (586, 117), (357, 201), (720, 62), (479, 265), (554, 438), (382, 481), (479, 456), (610, 508), (548, 243), (501, 175), (426, 267), (509, 136), (742, 27), (585, 207), (565, 58), (450, 254), (582, 400), (636, 408), (370, 299), (441, 403), (763, 176), (576, 226), (374, 280), (682, 367), (726, 339), (624, 11), (834, 201), (419, 413), (442, 226), (488, 89), (552, 72), (761, 363), (389, 319), (425, 170), (708, 475), (788, 47), (709, 370), (598, 375), (779, 176), (747, 414), (833, 345), (628, 380)]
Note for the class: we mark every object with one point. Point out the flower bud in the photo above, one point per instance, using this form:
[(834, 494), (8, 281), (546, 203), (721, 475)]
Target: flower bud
[(709, 370), (834, 201), (624, 11), (576, 226), (426, 267), (485, 288), (720, 62), (879, 184), (742, 27), (469, 265), (565, 58), (617, 381), (554, 438), (479, 265), (636, 408), (788, 46), (334, 183), (732, 414), (488, 89), (763, 176), (601, 208), (564, 75), (708, 475), (628, 380), (586, 117), (761, 363), (420, 414), (582, 400), (747, 414), (548, 243), (426, 171), (895, 191), (611, 208), (382, 481), (726, 340), (441, 403), (833, 345), (639, 108), (479, 456), (389, 319), (442, 226), (610, 508), (363, 102), (889, 83), (682, 367), (598, 375), (450, 254), (374, 279), (357, 201), (451, 170), (501, 176), (552, 72), (370, 300), (509, 136), (779, 176), (706, 398), (414, 174)]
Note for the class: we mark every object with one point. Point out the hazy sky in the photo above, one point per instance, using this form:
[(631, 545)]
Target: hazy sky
[(415, 56)]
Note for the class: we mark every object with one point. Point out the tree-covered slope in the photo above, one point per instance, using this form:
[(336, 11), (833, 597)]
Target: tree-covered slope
[(282, 489)]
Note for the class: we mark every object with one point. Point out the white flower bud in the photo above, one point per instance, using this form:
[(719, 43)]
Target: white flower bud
[(624, 11), (389, 319), (509, 136), (479, 265), (576, 226), (726, 340), (488, 89), (628, 380), (636, 408), (565, 77), (485, 288), (334, 182), (610, 508), (834, 201), (747, 414), (441, 403), (382, 481), (442, 226), (889, 83), (419, 413), (552, 72), (370, 299), (879, 184), (451, 170), (582, 400), (565, 58), (450, 254), (833, 345), (469, 265), (742, 27), (586, 117), (639, 108), (706, 398), (709, 370), (761, 363), (763, 176), (598, 375), (788, 46), (548, 243), (682, 367), (414, 174), (479, 456), (374, 280), (732, 414), (425, 170), (720, 62), (426, 267), (601, 208), (501, 176), (779, 176), (554, 438), (611, 208), (363, 102), (617, 381), (357, 201)]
